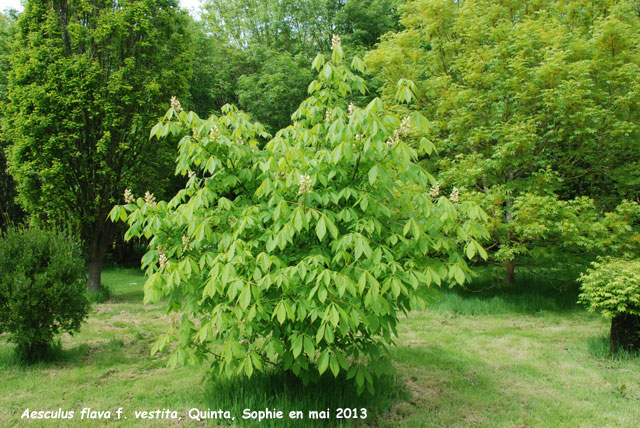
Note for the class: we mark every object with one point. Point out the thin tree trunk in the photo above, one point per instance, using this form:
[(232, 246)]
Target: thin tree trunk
[(509, 274), (509, 266), (97, 249), (95, 274)]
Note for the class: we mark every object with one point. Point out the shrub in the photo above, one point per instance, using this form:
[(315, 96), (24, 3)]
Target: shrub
[(301, 253), (42, 289), (612, 287)]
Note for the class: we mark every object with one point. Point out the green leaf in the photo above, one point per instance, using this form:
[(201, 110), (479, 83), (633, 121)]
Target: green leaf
[(245, 297), (373, 174), (335, 367), (323, 361), (296, 346), (321, 228), (281, 312)]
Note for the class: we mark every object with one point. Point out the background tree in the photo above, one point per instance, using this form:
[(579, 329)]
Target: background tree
[(259, 50), (524, 98), (10, 211), (87, 78)]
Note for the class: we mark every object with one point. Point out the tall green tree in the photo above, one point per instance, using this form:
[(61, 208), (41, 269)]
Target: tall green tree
[(10, 211), (263, 48), (525, 100), (87, 80)]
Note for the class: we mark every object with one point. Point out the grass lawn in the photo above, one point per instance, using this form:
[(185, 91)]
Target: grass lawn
[(470, 361)]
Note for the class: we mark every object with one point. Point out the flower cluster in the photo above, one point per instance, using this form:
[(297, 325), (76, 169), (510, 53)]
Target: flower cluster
[(214, 133), (455, 193), (175, 104), (327, 116), (150, 199), (163, 261), (405, 127), (186, 243), (352, 108), (191, 174), (282, 175), (128, 196), (305, 184), (335, 41), (435, 190), (395, 140)]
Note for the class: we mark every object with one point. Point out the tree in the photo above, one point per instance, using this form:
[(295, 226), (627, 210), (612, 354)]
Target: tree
[(259, 50), (275, 90), (302, 253), (523, 98), (87, 78), (216, 68), (10, 212)]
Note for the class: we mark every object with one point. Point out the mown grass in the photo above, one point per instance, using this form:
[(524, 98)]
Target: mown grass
[(495, 358)]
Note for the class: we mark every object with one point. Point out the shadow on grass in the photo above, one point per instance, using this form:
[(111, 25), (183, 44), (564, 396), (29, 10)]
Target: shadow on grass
[(278, 391), (105, 354), (447, 389), (487, 295)]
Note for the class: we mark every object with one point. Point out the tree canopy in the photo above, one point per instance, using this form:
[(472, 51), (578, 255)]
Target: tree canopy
[(525, 98), (87, 79)]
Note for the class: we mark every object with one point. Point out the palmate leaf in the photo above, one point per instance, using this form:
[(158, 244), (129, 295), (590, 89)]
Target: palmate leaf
[(304, 250)]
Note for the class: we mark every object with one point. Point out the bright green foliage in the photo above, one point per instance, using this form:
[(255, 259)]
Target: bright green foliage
[(41, 289), (612, 287), (302, 253), (525, 98), (548, 230), (87, 77)]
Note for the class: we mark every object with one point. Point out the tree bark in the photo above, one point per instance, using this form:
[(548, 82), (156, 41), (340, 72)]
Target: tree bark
[(509, 272), (625, 333), (97, 249)]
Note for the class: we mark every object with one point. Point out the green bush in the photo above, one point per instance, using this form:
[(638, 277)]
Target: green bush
[(302, 252), (612, 287), (42, 289)]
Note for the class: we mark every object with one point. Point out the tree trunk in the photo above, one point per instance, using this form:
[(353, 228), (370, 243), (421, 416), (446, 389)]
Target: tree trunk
[(95, 273), (509, 274), (625, 333), (509, 266), (97, 249)]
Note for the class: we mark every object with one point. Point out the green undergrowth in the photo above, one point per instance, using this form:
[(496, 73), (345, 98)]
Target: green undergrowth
[(278, 391)]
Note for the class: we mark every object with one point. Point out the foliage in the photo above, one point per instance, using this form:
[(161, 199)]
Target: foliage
[(259, 51), (274, 91), (10, 212), (612, 287), (41, 289), (528, 104), (302, 253), (86, 79), (216, 67)]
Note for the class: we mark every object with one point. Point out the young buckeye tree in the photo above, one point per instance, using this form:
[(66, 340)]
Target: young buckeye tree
[(302, 253), (86, 79)]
